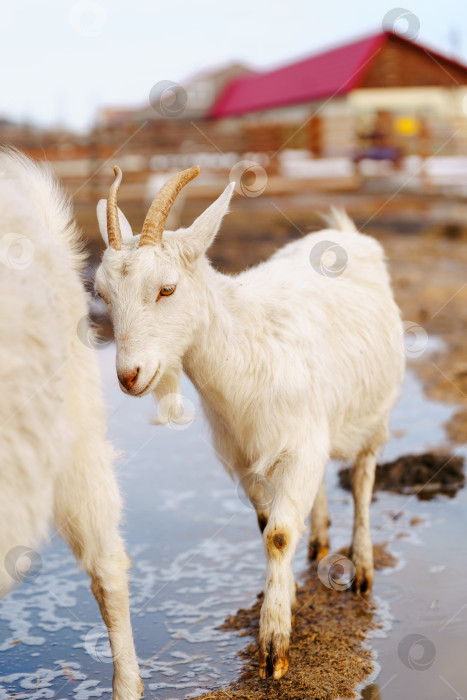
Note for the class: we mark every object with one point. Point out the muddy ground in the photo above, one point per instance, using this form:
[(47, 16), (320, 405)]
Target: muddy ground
[(424, 475), (327, 655)]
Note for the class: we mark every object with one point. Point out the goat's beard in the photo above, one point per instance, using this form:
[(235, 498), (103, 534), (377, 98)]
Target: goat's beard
[(170, 400)]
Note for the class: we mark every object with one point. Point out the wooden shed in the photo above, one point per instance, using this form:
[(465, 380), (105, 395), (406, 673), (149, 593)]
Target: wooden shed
[(339, 92)]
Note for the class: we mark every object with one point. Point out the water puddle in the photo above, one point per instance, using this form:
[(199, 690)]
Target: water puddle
[(197, 558)]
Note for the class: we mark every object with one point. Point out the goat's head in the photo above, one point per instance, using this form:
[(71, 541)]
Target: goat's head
[(148, 282)]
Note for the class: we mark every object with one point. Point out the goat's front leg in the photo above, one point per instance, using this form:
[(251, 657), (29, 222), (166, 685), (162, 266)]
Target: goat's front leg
[(281, 536), (262, 507), (295, 485), (260, 493), (318, 545)]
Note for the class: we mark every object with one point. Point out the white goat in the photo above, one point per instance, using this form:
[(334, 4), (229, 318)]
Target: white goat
[(294, 366), (55, 461)]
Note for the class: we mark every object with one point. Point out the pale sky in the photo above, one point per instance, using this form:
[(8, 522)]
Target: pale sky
[(61, 59)]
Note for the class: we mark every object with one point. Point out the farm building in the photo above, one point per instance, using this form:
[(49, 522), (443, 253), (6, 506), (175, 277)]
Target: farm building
[(384, 83), (328, 117), (383, 97)]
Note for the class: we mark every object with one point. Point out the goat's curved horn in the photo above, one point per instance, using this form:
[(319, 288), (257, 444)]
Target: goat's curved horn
[(113, 224), (153, 226)]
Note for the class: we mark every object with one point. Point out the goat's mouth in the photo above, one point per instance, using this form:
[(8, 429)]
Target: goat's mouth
[(148, 386), (146, 389)]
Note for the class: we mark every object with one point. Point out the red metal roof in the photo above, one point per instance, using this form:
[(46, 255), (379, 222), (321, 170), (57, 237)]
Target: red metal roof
[(328, 74)]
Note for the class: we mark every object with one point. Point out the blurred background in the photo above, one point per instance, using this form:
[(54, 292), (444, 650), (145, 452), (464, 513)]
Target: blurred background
[(364, 106), (305, 106)]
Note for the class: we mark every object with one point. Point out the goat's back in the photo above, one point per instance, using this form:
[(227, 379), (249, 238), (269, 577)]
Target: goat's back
[(326, 336)]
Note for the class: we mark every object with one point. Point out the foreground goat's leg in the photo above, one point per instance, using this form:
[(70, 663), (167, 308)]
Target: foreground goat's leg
[(295, 489), (263, 518), (318, 545), (87, 513), (280, 537), (363, 477), (110, 588)]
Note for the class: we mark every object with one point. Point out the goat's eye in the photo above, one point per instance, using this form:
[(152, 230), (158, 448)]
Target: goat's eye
[(166, 291)]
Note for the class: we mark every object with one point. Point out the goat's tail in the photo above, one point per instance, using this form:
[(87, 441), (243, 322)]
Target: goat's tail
[(339, 219)]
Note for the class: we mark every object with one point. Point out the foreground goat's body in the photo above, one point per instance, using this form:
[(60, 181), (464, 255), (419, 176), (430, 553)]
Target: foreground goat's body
[(56, 464), (283, 354), (293, 367)]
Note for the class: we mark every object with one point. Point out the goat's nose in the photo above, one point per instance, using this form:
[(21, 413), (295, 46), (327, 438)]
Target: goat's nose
[(128, 379)]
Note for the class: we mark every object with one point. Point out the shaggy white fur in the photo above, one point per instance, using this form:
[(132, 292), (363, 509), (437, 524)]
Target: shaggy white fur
[(56, 464), (296, 360)]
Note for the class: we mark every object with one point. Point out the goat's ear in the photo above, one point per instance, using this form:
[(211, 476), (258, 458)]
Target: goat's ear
[(199, 236), (125, 227)]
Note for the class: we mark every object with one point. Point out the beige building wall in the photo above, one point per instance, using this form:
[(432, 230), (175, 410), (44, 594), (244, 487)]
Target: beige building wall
[(444, 110), (446, 102)]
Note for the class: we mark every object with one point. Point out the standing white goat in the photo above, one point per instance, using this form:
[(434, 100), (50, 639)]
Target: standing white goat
[(55, 461), (293, 366)]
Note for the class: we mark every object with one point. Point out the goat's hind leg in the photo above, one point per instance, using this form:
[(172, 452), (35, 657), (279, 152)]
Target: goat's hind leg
[(318, 544), (363, 479), (87, 514)]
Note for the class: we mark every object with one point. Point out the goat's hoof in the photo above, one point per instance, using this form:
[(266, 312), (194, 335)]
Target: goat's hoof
[(363, 581), (317, 551), (274, 662), (280, 668), (277, 669)]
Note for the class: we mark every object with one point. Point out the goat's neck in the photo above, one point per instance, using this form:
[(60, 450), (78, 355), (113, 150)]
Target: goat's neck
[(217, 339)]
